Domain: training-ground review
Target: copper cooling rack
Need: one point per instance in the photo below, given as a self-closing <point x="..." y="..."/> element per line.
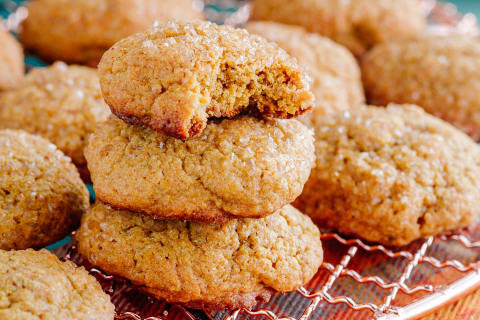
<point x="357" y="280"/>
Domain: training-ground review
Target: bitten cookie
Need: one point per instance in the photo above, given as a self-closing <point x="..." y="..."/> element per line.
<point x="61" y="103"/>
<point x="12" y="66"/>
<point x="41" y="194"/>
<point x="392" y="175"/>
<point x="337" y="84"/>
<point x="174" y="77"/>
<point x="357" y="24"/>
<point x="36" y="285"/>
<point x="243" y="167"/>
<point x="81" y="31"/>
<point x="440" y="74"/>
<point x="204" y="265"/>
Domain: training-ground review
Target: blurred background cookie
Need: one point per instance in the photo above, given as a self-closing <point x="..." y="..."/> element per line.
<point x="203" y="265"/>
<point x="61" y="103"/>
<point x="440" y="74"/>
<point x="357" y="24"/>
<point x="36" y="285"/>
<point x="337" y="83"/>
<point x="12" y="66"/>
<point x="392" y="175"/>
<point x="41" y="194"/>
<point x="242" y="167"/>
<point x="81" y="31"/>
<point x="173" y="77"/>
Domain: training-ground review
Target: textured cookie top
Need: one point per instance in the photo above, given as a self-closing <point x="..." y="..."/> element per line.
<point x="81" y="31"/>
<point x="175" y="76"/>
<point x="11" y="61"/>
<point x="41" y="194"/>
<point x="243" y="167"/>
<point x="392" y="175"/>
<point x="357" y="24"/>
<point x="337" y="84"/>
<point x="61" y="103"/>
<point x="441" y="74"/>
<point x="203" y="262"/>
<point x="35" y="285"/>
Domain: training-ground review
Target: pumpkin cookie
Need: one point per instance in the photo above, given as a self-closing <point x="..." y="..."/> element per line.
<point x="357" y="24"/>
<point x="244" y="167"/>
<point x="81" y="31"/>
<point x="204" y="265"/>
<point x="41" y="194"/>
<point x="174" y="77"/>
<point x="61" y="103"/>
<point x="36" y="285"/>
<point x="392" y="175"/>
<point x="337" y="84"/>
<point x="440" y="74"/>
<point x="12" y="66"/>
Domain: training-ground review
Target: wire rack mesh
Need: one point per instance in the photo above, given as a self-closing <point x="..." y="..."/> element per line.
<point x="357" y="280"/>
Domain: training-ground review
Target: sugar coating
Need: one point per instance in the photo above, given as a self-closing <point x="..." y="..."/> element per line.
<point x="217" y="266"/>
<point x="357" y="24"/>
<point x="337" y="84"/>
<point x="440" y="74"/>
<point x="61" y="103"/>
<point x="35" y="285"/>
<point x="392" y="175"/>
<point x="41" y="194"/>
<point x="12" y="66"/>
<point x="175" y="76"/>
<point x="242" y="167"/>
<point x="81" y="31"/>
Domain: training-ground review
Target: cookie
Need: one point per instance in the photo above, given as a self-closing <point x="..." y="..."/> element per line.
<point x="81" y="31"/>
<point x="392" y="175"/>
<point x="175" y="76"/>
<point x="357" y="24"/>
<point x="337" y="83"/>
<point x="12" y="66"/>
<point x="204" y="265"/>
<point x="41" y="194"/>
<point x="440" y="74"/>
<point x="36" y="285"/>
<point x="61" y="103"/>
<point x="243" y="167"/>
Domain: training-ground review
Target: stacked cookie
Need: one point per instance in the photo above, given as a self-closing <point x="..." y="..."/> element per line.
<point x="195" y="174"/>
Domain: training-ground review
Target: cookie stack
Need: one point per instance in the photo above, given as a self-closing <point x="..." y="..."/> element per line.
<point x="195" y="173"/>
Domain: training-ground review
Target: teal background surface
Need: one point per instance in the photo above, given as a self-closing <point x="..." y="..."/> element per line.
<point x="468" y="6"/>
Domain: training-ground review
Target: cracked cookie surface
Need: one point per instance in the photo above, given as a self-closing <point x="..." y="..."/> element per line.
<point x="12" y="66"/>
<point x="175" y="76"/>
<point x="392" y="175"/>
<point x="357" y="24"/>
<point x="36" y="285"/>
<point x="217" y="266"/>
<point x="440" y="74"/>
<point x="336" y="85"/>
<point x="81" y="31"/>
<point x="242" y="167"/>
<point x="60" y="103"/>
<point x="41" y="194"/>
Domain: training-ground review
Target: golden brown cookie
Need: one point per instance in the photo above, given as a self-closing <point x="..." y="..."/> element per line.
<point x="337" y="83"/>
<point x="244" y="167"/>
<point x="174" y="77"/>
<point x="392" y="175"/>
<point x="81" y="31"/>
<point x="61" y="103"/>
<point x="36" y="285"/>
<point x="440" y="74"/>
<point x="12" y="66"/>
<point x="204" y="265"/>
<point x="357" y="24"/>
<point x="41" y="194"/>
